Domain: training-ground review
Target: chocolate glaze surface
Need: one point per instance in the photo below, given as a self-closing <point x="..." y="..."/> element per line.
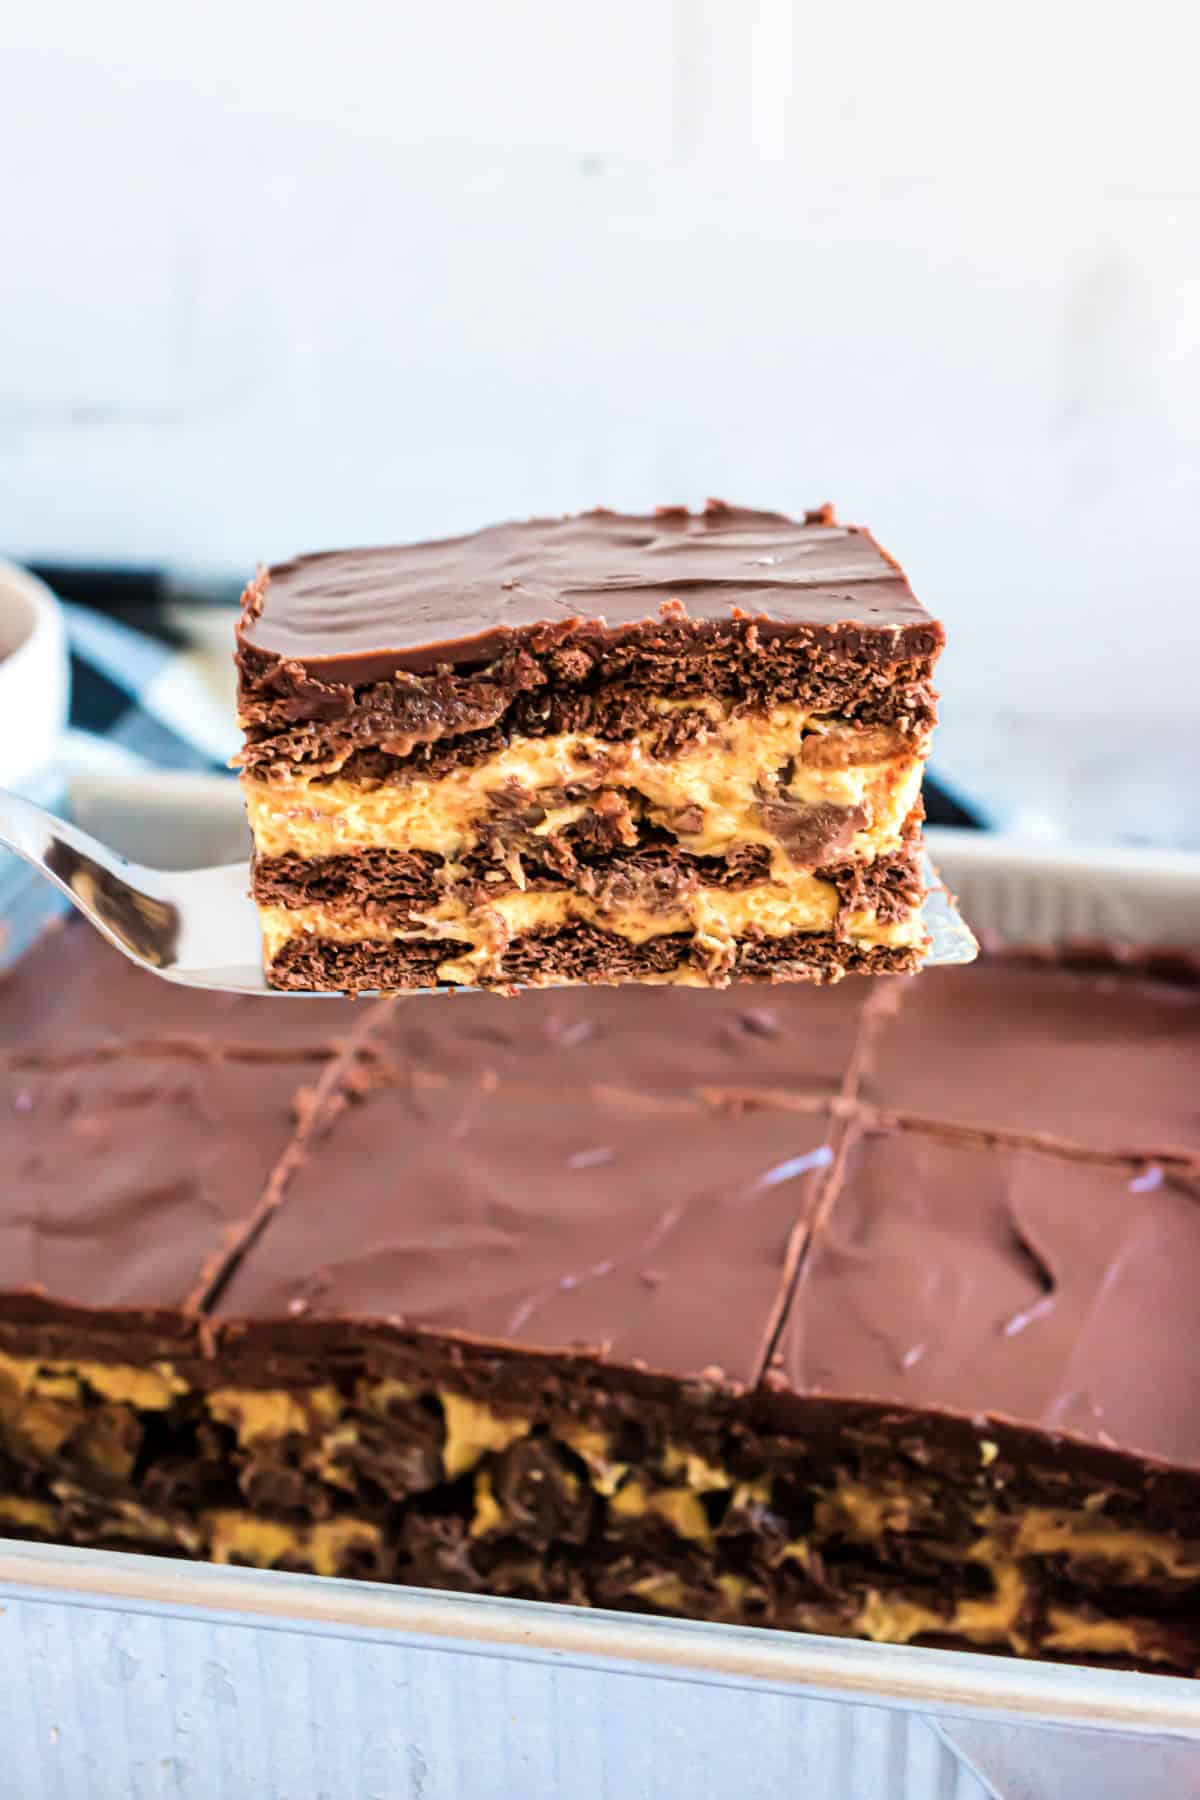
<point x="359" y="615"/>
<point x="579" y="954"/>
<point x="72" y="994"/>
<point x="127" y="1177"/>
<point x="1106" y="1058"/>
<point x="562" y="1217"/>
<point x="666" y="1041"/>
<point x="1004" y="1281"/>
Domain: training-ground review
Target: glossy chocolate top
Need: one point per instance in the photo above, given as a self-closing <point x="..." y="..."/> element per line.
<point x="557" y="1216"/>
<point x="72" y="994"/>
<point x="358" y="615"/>
<point x="1054" y="1292"/>
<point x="126" y="1178"/>
<point x="1106" y="1058"/>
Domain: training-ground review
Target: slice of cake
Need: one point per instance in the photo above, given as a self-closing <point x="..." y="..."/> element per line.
<point x="676" y="748"/>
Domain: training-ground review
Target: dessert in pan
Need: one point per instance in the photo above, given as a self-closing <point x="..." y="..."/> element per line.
<point x="868" y="1310"/>
<point x="677" y="749"/>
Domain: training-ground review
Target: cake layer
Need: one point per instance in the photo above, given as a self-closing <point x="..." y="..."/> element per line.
<point x="581" y="953"/>
<point x="660" y="727"/>
<point x="396" y="886"/>
<point x="395" y="881"/>
<point x="663" y="1303"/>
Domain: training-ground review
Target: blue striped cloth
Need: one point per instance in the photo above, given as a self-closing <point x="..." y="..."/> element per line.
<point x="143" y="694"/>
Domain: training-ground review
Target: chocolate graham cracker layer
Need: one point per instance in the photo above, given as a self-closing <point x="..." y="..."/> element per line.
<point x="677" y="749"/>
<point x="662" y="1301"/>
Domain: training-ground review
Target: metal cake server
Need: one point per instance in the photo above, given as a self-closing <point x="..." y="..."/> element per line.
<point x="199" y="927"/>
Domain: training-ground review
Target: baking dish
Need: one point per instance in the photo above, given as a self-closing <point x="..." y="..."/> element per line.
<point x="146" y="1676"/>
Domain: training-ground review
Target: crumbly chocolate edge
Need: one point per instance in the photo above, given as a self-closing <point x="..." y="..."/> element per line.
<point x="346" y="1448"/>
<point x="578" y="677"/>
<point x="581" y="954"/>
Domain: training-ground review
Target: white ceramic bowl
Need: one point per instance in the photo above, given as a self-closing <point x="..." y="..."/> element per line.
<point x="34" y="676"/>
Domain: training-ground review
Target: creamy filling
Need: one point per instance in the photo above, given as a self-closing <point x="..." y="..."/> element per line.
<point x="327" y="1547"/>
<point x="709" y="793"/>
<point x="994" y="1618"/>
<point x="747" y="781"/>
<point x="715" y="919"/>
<point x="998" y="1620"/>
<point x="43" y="1404"/>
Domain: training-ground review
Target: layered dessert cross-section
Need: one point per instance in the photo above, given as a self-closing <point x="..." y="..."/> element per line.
<point x="678" y="1302"/>
<point x="676" y="749"/>
<point x="128" y="1178"/>
<point x="995" y="1308"/>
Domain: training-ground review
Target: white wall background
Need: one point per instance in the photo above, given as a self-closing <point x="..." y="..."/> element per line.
<point x="283" y="273"/>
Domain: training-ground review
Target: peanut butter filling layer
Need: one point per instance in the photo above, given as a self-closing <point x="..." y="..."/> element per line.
<point x="746" y="781"/>
<point x="714" y="919"/>
<point x="681" y="1527"/>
